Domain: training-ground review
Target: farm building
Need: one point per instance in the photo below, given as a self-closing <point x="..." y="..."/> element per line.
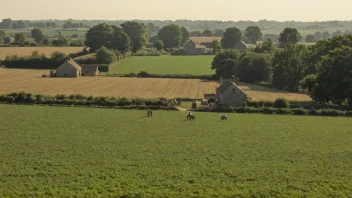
<point x="69" y="69"/>
<point x="228" y="93"/>
<point x="242" y="46"/>
<point x="194" y="48"/>
<point x="90" y="70"/>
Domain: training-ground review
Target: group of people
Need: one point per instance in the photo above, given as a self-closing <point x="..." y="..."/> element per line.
<point x="190" y="116"/>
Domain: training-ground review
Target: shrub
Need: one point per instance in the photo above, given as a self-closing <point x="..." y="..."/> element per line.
<point x="143" y="74"/>
<point x="281" y="103"/>
<point x="268" y="110"/>
<point x="331" y="112"/>
<point x="10" y="99"/>
<point x="240" y="110"/>
<point x="283" y="111"/>
<point x="105" y="56"/>
<point x="348" y="113"/>
<point x="60" y="97"/>
<point x="252" y="110"/>
<point x="159" y="45"/>
<point x="299" y="111"/>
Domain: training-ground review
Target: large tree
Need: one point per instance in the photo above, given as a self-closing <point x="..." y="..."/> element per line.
<point x="289" y="67"/>
<point x="310" y="38"/>
<point x="98" y="36"/>
<point x="2" y="36"/>
<point x="171" y="36"/>
<point x="6" y="23"/>
<point x="253" y="34"/>
<point x="185" y="35"/>
<point x="289" y="36"/>
<point x="333" y="83"/>
<point x="37" y="35"/>
<point x="138" y="34"/>
<point x="207" y="33"/>
<point x="19" y="38"/>
<point x="120" y="40"/>
<point x="219" y="33"/>
<point x="231" y="37"/>
<point x="254" y="67"/>
<point x="225" y="62"/>
<point x="318" y="35"/>
<point x="266" y="47"/>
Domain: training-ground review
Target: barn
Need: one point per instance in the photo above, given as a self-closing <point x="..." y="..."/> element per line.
<point x="194" y="48"/>
<point x="228" y="93"/>
<point x="69" y="69"/>
<point x="90" y="70"/>
<point x="242" y="46"/>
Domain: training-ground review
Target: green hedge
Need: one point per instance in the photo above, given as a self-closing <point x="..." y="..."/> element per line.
<point x="144" y="74"/>
<point x="40" y="62"/>
<point x="81" y="100"/>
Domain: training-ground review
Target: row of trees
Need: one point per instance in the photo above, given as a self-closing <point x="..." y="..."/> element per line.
<point x="322" y="70"/>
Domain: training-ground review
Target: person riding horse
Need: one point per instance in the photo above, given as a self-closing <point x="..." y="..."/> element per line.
<point x="223" y="117"/>
<point x="190" y="116"/>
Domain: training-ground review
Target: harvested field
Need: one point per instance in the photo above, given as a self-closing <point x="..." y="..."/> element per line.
<point x="26" y="51"/>
<point x="12" y="80"/>
<point x="15" y="80"/>
<point x="257" y="92"/>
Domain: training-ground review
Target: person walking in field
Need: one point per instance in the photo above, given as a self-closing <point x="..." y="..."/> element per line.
<point x="149" y="112"/>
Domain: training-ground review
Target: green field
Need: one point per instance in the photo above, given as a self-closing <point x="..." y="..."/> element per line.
<point x="192" y="65"/>
<point x="62" y="151"/>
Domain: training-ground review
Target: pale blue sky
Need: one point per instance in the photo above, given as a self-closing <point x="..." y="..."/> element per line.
<point x="298" y="10"/>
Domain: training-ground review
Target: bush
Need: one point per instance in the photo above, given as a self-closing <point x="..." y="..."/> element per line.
<point x="331" y="112"/>
<point x="268" y="110"/>
<point x="314" y="112"/>
<point x="159" y="45"/>
<point x="299" y="111"/>
<point x="281" y="103"/>
<point x="283" y="111"/>
<point x="143" y="74"/>
<point x="105" y="56"/>
<point x="35" y="62"/>
<point x="148" y="52"/>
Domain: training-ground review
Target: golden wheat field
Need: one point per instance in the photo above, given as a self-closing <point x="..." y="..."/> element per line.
<point x="25" y="51"/>
<point x="15" y="80"/>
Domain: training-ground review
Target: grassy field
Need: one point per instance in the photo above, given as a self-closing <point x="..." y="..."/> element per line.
<point x="57" y="151"/>
<point x="26" y="51"/>
<point x="16" y="80"/>
<point x="192" y="65"/>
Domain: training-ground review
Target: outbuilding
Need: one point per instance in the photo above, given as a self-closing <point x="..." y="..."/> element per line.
<point x="69" y="69"/>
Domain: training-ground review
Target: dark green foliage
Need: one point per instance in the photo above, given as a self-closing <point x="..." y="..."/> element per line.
<point x="207" y="33"/>
<point x="36" y="61"/>
<point x="310" y="38"/>
<point x="266" y="47"/>
<point x="253" y="34"/>
<point x="231" y="37"/>
<point x="254" y="67"/>
<point x="290" y="67"/>
<point x="171" y="36"/>
<point x="299" y="111"/>
<point x="185" y="35"/>
<point x="331" y="112"/>
<point x="78" y="99"/>
<point x="159" y="45"/>
<point x="289" y="36"/>
<point x="37" y="35"/>
<point x="225" y="62"/>
<point x="281" y="103"/>
<point x="62" y="41"/>
<point x="283" y="111"/>
<point x="259" y="104"/>
<point x="105" y="56"/>
<point x="149" y="52"/>
<point x="138" y="34"/>
<point x="77" y="43"/>
<point x="19" y="38"/>
<point x="314" y="112"/>
<point x="268" y="110"/>
<point x="2" y="36"/>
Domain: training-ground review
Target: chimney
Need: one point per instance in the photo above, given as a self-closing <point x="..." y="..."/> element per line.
<point x="235" y="80"/>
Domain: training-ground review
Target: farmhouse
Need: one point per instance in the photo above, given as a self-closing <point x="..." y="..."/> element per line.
<point x="194" y="48"/>
<point x="69" y="69"/>
<point x="200" y="45"/>
<point x="90" y="70"/>
<point x="228" y="93"/>
<point x="242" y="46"/>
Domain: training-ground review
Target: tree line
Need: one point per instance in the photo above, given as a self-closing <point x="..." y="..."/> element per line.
<point x="322" y="70"/>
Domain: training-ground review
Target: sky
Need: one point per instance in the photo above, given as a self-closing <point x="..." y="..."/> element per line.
<point x="224" y="10"/>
